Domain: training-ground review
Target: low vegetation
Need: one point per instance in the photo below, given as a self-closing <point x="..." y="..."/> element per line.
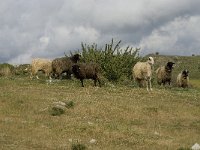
<point x="118" y="115"/>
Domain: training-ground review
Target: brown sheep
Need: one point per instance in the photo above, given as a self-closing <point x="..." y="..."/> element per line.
<point x="41" y="64"/>
<point x="86" y="71"/>
<point x="64" y="65"/>
<point x="164" y="73"/>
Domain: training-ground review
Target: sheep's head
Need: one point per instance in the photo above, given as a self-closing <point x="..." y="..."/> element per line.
<point x="76" y="58"/>
<point x="170" y="66"/>
<point x="150" y="60"/>
<point x="185" y="73"/>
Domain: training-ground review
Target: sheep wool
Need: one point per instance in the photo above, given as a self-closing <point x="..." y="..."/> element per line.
<point x="142" y="72"/>
<point x="86" y="71"/>
<point x="164" y="74"/>
<point x="183" y="79"/>
<point x="64" y="64"/>
<point x="41" y="64"/>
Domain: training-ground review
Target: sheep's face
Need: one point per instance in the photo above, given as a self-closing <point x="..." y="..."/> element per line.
<point x="151" y="60"/>
<point x="185" y="74"/>
<point x="76" y="57"/>
<point x="170" y="66"/>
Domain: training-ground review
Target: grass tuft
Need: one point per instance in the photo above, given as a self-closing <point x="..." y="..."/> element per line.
<point x="78" y="146"/>
<point x="69" y="104"/>
<point x="57" y="111"/>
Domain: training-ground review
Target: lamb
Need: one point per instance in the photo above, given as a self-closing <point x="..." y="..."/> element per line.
<point x="41" y="64"/>
<point x="86" y="71"/>
<point x="142" y="71"/>
<point x="64" y="65"/>
<point x="164" y="73"/>
<point x="183" y="79"/>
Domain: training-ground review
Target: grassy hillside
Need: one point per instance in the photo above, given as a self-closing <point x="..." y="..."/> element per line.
<point x="115" y="117"/>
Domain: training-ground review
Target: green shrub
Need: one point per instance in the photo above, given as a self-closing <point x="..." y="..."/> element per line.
<point x="116" y="63"/>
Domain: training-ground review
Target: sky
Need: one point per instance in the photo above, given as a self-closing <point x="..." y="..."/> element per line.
<point x="48" y="28"/>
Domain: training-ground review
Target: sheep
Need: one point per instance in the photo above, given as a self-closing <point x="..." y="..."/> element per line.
<point x="164" y="73"/>
<point x="183" y="79"/>
<point x="41" y="64"/>
<point x="86" y="71"/>
<point x="142" y="71"/>
<point x="64" y="65"/>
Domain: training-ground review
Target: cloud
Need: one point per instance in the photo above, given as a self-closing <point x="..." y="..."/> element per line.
<point x="48" y="28"/>
<point x="180" y="36"/>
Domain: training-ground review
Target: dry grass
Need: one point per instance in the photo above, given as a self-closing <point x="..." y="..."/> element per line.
<point x="117" y="117"/>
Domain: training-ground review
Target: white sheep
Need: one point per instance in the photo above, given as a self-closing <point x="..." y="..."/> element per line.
<point x="41" y="64"/>
<point x="183" y="79"/>
<point x="142" y="72"/>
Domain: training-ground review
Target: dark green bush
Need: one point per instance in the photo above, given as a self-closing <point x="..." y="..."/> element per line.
<point x="116" y="63"/>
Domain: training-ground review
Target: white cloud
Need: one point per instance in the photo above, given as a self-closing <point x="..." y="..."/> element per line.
<point x="180" y="36"/>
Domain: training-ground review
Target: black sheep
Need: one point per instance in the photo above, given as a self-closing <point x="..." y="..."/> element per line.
<point x="86" y="71"/>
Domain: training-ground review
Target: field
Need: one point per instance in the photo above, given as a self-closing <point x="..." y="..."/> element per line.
<point x="114" y="116"/>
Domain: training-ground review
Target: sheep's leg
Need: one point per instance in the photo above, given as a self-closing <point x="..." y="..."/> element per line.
<point x="31" y="76"/>
<point x="68" y="75"/>
<point x="37" y="77"/>
<point x="33" y="73"/>
<point x="99" y="82"/>
<point x="169" y="82"/>
<point x="148" y="84"/>
<point x="82" y="82"/>
<point x="49" y="75"/>
<point x="95" y="82"/>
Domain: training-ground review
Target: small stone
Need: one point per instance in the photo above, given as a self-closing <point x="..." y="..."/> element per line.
<point x="90" y="123"/>
<point x="196" y="146"/>
<point x="156" y="133"/>
<point x="92" y="141"/>
<point x="59" y="103"/>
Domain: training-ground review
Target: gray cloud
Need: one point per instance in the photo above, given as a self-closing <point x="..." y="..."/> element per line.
<point x="48" y="28"/>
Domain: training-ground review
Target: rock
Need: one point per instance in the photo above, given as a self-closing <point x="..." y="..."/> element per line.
<point x="59" y="103"/>
<point x="92" y="141"/>
<point x="196" y="146"/>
